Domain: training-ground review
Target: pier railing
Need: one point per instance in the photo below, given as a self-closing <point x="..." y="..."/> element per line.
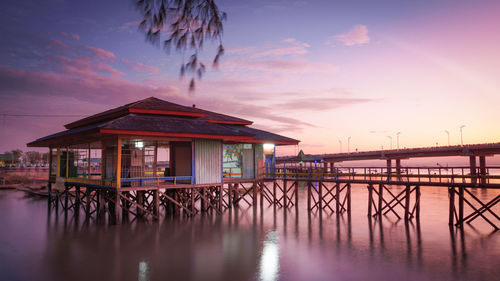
<point x="428" y="175"/>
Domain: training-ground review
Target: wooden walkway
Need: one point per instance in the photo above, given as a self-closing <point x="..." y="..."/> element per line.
<point x="326" y="192"/>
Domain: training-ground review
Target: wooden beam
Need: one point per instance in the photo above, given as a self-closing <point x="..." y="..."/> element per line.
<point x="88" y="163"/>
<point x="67" y="161"/>
<point x="118" y="162"/>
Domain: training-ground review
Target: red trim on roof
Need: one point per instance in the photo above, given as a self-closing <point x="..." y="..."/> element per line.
<point x="229" y="122"/>
<point x="165" y="134"/>
<point x="273" y="142"/>
<point x="166" y="112"/>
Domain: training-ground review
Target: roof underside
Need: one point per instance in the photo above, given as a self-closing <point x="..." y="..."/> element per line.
<point x="158" y="118"/>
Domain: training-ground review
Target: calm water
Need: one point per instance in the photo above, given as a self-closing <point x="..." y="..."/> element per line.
<point x="246" y="244"/>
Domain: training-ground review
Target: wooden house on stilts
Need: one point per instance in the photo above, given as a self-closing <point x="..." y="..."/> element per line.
<point x="157" y="157"/>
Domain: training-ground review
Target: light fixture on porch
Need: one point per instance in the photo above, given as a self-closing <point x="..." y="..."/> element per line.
<point x="268" y="145"/>
<point x="139" y="144"/>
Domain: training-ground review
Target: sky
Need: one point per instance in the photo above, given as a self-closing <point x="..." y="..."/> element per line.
<point x="337" y="75"/>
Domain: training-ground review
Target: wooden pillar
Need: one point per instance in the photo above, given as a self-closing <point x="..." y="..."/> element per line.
<point x="58" y="163"/>
<point x="285" y="194"/>
<point x="88" y="202"/>
<point x="118" y="163"/>
<point x="274" y="192"/>
<point x="417" y="202"/>
<point x="229" y="195"/>
<point x="309" y="196"/>
<point x="49" y="184"/>
<point x="193" y="201"/>
<point x="451" y="195"/>
<point x="380" y="198"/>
<point x="370" y="199"/>
<point x="332" y="168"/>
<point x="67" y="162"/>
<point x="320" y="196"/>
<point x="482" y="169"/>
<point x="407" y="203"/>
<point x="88" y="163"/>
<point x="337" y="197"/>
<point x="236" y="194"/>
<point x="118" y="179"/>
<point x="254" y="193"/>
<point x="155" y="163"/>
<point x="389" y="168"/>
<point x="156" y="202"/>
<point x="398" y="168"/>
<point x="296" y="196"/>
<point x="473" y="174"/>
<point x="261" y="189"/>
<point x="349" y="198"/>
<point x="460" y="206"/>
<point x="221" y="194"/>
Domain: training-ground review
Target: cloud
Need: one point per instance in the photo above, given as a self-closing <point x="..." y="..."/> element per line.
<point x="321" y="103"/>
<point x="140" y="67"/>
<point x="293" y="47"/>
<point x="357" y="35"/>
<point x="72" y="35"/>
<point x="280" y="65"/>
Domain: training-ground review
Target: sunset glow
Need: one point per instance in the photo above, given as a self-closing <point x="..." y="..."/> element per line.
<point x="317" y="71"/>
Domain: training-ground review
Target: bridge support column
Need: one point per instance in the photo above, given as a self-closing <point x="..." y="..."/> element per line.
<point x="473" y="173"/>
<point x="332" y="168"/>
<point x="482" y="169"/>
<point x="398" y="168"/>
<point x="389" y="167"/>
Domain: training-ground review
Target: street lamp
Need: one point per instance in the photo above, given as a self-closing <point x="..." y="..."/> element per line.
<point x="448" y="133"/>
<point x="461" y="135"/>
<point x="349" y="145"/>
<point x="340" y="145"/>
<point x="397" y="135"/>
<point x="391" y="140"/>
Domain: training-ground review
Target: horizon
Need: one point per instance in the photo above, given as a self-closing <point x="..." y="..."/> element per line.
<point x="357" y="70"/>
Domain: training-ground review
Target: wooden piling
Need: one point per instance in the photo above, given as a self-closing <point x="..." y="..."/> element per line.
<point x="309" y="189"/>
<point x="370" y="200"/>
<point x="451" y="194"/>
<point x="407" y="203"/>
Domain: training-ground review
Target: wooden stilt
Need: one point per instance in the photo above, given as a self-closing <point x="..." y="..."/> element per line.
<point x="337" y="197"/>
<point x="460" y="206"/>
<point x="407" y="203"/>
<point x="370" y="200"/>
<point x="451" y="194"/>
<point x="274" y="192"/>
<point x="320" y="196"/>
<point x="285" y="203"/>
<point x="417" y="202"/>
<point x="309" y="196"/>
<point x="380" y="198"/>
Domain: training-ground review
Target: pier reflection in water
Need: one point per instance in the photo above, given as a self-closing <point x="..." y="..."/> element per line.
<point x="262" y="243"/>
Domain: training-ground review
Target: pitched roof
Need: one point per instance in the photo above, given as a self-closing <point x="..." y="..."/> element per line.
<point x="155" y="117"/>
<point x="157" y="106"/>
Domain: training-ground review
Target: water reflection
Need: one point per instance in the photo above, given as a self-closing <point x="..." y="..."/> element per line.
<point x="269" y="260"/>
<point x="264" y="243"/>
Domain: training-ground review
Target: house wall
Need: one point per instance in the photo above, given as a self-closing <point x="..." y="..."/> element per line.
<point x="208" y="161"/>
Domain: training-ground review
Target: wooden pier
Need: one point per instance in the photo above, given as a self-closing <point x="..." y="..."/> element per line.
<point x="328" y="193"/>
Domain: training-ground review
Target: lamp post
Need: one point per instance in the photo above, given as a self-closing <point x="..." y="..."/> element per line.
<point x="448" y="133"/>
<point x="461" y="135"/>
<point x="397" y="136"/>
<point x="349" y="145"/>
<point x="391" y="141"/>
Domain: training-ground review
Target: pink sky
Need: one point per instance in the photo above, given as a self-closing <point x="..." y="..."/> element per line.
<point x="340" y="71"/>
